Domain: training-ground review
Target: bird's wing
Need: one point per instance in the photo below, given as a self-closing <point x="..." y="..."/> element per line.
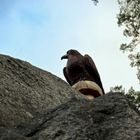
<point x="92" y="70"/>
<point x="66" y="75"/>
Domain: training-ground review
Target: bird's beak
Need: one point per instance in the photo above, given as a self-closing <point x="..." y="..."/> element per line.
<point x="64" y="56"/>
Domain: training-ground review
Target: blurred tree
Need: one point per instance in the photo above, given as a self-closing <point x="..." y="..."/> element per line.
<point x="129" y="18"/>
<point x="118" y="89"/>
<point x="95" y="1"/>
<point x="132" y="95"/>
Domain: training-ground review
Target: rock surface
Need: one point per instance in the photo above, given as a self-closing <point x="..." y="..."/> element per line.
<point x="36" y="105"/>
<point x="109" y="117"/>
<point x="27" y="92"/>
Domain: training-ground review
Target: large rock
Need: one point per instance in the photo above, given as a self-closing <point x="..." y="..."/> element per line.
<point x="27" y="92"/>
<point x="109" y="117"/>
<point x="36" y="105"/>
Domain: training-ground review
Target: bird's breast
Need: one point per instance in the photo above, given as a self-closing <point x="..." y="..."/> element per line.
<point x="75" y="67"/>
<point x="76" y="72"/>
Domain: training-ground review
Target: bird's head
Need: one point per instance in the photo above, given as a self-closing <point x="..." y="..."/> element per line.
<point x="70" y="53"/>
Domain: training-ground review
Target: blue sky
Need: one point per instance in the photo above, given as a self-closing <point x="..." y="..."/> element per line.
<point x="40" y="32"/>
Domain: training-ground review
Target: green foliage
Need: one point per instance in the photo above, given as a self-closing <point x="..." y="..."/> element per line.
<point x="118" y="89"/>
<point x="129" y="17"/>
<point x="132" y="95"/>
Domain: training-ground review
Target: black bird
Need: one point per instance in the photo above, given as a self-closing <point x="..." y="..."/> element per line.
<point x="79" y="68"/>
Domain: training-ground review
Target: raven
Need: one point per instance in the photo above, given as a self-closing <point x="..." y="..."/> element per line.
<point x="80" y="68"/>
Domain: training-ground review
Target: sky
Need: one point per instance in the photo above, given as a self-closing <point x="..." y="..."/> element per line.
<point x="41" y="31"/>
